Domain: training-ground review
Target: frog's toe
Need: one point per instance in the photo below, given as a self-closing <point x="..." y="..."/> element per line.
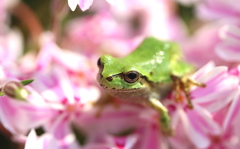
<point x="168" y="132"/>
<point x="183" y="84"/>
<point x="166" y="126"/>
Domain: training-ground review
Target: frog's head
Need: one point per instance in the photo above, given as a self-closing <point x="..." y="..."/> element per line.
<point x="116" y="75"/>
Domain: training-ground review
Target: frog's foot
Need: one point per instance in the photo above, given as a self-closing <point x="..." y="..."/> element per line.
<point x="184" y="84"/>
<point x="103" y="102"/>
<point x="164" y="117"/>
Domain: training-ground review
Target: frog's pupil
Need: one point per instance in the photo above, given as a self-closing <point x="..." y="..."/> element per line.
<point x="132" y="76"/>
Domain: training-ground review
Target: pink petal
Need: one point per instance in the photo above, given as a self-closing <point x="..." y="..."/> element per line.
<point x="180" y="140"/>
<point x="197" y="138"/>
<point x="46" y="141"/>
<point x="31" y="140"/>
<point x="233" y="113"/>
<point x="71" y="60"/>
<point x="230" y="53"/>
<point x="62" y="132"/>
<point x="230" y="33"/>
<point x="203" y="70"/>
<point x="151" y="138"/>
<point x="219" y="91"/>
<point x="216" y="9"/>
<point x="85" y="4"/>
<point x="198" y="124"/>
<point x="19" y="117"/>
<point x="64" y="84"/>
<point x="45" y="57"/>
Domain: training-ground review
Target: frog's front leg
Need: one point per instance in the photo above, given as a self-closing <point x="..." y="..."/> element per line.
<point x="184" y="84"/>
<point x="164" y="116"/>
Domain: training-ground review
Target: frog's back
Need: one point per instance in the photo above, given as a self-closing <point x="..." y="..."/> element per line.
<point x="157" y="60"/>
<point x="153" y="49"/>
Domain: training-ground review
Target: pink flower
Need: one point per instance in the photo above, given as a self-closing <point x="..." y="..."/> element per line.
<point x="79" y="68"/>
<point x="19" y="116"/>
<point x="67" y="100"/>
<point x="229" y="119"/>
<point x="54" y="106"/>
<point x="197" y="123"/>
<point x="56" y="94"/>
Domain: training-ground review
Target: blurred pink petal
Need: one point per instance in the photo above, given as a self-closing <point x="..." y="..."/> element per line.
<point x="229" y="49"/>
<point x="45" y="141"/>
<point x="109" y="37"/>
<point x="199" y="49"/>
<point x="212" y="42"/>
<point x="11" y="47"/>
<point x="19" y="117"/>
<point x="160" y="21"/>
<point x="85" y="4"/>
<point x="215" y="9"/>
<point x="105" y="129"/>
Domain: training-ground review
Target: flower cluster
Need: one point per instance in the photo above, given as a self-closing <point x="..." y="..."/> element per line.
<point x="63" y="107"/>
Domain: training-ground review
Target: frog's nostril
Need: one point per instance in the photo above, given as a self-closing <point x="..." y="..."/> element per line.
<point x="109" y="78"/>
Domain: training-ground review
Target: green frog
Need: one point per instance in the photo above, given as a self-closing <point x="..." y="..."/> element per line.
<point x="147" y="75"/>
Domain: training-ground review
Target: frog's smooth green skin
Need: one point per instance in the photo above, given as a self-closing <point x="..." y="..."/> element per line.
<point x="144" y="74"/>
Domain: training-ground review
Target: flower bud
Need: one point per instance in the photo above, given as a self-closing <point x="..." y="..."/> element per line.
<point x="15" y="90"/>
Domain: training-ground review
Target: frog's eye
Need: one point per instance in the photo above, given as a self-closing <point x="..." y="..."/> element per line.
<point x="131" y="76"/>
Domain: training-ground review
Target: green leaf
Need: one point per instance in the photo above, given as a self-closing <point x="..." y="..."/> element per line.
<point x="80" y="135"/>
<point x="26" y="82"/>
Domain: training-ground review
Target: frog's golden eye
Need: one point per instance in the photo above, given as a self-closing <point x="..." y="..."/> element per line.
<point x="131" y="76"/>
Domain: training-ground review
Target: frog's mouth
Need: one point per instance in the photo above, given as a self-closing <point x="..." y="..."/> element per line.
<point x="119" y="90"/>
<point x="130" y="94"/>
